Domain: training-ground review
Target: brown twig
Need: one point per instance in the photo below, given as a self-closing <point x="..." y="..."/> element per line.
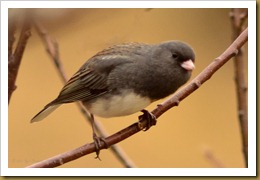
<point x="11" y="38"/>
<point x="173" y="101"/>
<point x="209" y="155"/>
<point x="14" y="59"/>
<point x="53" y="50"/>
<point x="238" y="16"/>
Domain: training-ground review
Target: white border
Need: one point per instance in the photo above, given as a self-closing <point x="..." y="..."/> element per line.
<point x="251" y="171"/>
<point x="126" y="4"/>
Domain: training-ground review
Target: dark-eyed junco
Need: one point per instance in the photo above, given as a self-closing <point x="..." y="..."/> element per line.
<point x="124" y="79"/>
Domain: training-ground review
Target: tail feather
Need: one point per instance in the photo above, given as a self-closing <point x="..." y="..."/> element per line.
<point x="44" y="113"/>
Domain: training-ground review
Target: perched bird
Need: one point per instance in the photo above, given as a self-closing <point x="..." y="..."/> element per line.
<point x="126" y="78"/>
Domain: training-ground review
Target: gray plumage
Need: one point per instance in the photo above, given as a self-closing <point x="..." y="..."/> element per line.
<point x="148" y="72"/>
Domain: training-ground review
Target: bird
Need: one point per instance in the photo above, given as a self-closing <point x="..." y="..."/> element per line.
<point x="125" y="78"/>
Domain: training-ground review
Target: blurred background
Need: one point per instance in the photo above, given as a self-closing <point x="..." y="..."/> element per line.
<point x="205" y="122"/>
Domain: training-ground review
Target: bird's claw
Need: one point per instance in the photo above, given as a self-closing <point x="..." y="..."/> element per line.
<point x="149" y="118"/>
<point x="97" y="142"/>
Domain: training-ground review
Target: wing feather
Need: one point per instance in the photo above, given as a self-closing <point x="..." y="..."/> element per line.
<point x="84" y="85"/>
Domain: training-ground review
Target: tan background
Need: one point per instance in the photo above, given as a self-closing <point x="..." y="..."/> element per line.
<point x="207" y="119"/>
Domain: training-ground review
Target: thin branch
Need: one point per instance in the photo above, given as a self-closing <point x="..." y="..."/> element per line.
<point x="53" y="50"/>
<point x="173" y="101"/>
<point x="11" y="38"/>
<point x="209" y="155"/>
<point x="14" y="59"/>
<point x="238" y="16"/>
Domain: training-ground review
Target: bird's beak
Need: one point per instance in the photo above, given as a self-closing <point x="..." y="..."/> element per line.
<point x="188" y="65"/>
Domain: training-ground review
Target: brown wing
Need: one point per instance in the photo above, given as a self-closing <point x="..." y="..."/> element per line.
<point x="85" y="85"/>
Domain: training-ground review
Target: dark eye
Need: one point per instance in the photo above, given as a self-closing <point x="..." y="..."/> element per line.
<point x="175" y="56"/>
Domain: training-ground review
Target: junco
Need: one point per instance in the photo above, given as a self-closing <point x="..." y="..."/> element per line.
<point x="126" y="78"/>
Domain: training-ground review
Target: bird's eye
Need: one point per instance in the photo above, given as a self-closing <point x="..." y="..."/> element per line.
<point x="174" y="55"/>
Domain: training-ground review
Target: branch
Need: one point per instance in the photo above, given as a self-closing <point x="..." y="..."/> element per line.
<point x="238" y="16"/>
<point x="209" y="155"/>
<point x="53" y="50"/>
<point x="14" y="59"/>
<point x="11" y="38"/>
<point x="173" y="101"/>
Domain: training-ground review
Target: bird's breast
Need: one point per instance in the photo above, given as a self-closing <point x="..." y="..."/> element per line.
<point x="120" y="104"/>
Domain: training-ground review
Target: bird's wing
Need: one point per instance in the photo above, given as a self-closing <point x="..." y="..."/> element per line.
<point x="86" y="84"/>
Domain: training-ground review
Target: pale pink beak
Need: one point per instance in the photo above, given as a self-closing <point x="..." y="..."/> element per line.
<point x="188" y="65"/>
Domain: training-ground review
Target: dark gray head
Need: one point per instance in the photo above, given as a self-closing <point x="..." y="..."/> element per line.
<point x="174" y="54"/>
<point x="175" y="51"/>
<point x="173" y="62"/>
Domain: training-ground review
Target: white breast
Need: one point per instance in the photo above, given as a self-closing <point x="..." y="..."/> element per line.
<point x="118" y="105"/>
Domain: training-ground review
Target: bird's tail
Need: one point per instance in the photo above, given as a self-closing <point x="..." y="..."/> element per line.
<point x="44" y="113"/>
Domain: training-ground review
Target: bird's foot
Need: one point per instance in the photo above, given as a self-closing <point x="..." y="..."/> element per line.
<point x="148" y="118"/>
<point x="97" y="141"/>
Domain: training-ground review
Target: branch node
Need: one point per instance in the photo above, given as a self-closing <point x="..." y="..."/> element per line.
<point x="241" y="113"/>
<point x="197" y="84"/>
<point x="159" y="105"/>
<point x="231" y="15"/>
<point x="177" y="102"/>
<point x="236" y="52"/>
<point x="216" y="60"/>
<point x="244" y="88"/>
<point x="28" y="33"/>
<point x="61" y="161"/>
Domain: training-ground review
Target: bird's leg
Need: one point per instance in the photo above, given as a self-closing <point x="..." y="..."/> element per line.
<point x="149" y="118"/>
<point x="97" y="139"/>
